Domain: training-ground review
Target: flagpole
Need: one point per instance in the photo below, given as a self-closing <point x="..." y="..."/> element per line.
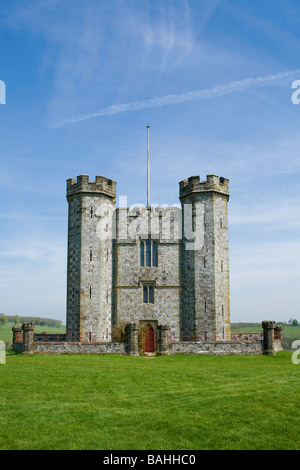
<point x="148" y="167"/>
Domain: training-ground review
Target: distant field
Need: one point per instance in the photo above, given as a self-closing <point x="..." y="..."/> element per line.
<point x="290" y="333"/>
<point x="135" y="403"/>
<point x="6" y="331"/>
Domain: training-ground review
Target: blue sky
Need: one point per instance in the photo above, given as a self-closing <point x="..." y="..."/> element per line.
<point x="213" y="80"/>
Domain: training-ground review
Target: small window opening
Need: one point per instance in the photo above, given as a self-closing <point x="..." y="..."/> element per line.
<point x="148" y="253"/>
<point x="142" y="253"/>
<point x="148" y="294"/>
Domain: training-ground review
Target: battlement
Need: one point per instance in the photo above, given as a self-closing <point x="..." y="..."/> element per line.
<point x="101" y="185"/>
<point x="153" y="210"/>
<point x="213" y="183"/>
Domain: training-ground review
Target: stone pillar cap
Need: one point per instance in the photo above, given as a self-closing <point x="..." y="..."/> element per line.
<point x="28" y="326"/>
<point x="16" y="328"/>
<point x="268" y="324"/>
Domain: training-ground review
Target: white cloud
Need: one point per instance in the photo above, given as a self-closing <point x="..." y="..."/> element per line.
<point x="219" y="90"/>
<point x="278" y="214"/>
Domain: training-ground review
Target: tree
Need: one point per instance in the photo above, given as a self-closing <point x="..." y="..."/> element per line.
<point x="16" y="320"/>
<point x="3" y="319"/>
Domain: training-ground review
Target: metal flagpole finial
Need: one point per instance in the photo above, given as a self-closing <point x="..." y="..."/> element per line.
<point x="148" y="169"/>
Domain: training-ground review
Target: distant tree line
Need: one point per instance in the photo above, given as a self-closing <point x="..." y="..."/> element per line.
<point x="291" y="322"/>
<point x="17" y="320"/>
<point x="236" y="326"/>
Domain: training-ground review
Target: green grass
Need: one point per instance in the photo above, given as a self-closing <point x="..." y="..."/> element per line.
<point x="177" y="402"/>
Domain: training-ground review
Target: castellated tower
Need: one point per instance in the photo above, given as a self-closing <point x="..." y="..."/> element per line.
<point x="205" y="260"/>
<point x="89" y="278"/>
<point x="162" y="272"/>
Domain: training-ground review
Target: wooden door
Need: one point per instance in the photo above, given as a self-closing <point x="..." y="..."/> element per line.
<point x="149" y="339"/>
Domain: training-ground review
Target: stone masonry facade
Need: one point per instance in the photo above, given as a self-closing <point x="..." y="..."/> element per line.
<point x="148" y="265"/>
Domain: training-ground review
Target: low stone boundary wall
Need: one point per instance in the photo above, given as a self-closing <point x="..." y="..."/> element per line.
<point x="79" y="348"/>
<point x="270" y="343"/>
<point x="218" y="348"/>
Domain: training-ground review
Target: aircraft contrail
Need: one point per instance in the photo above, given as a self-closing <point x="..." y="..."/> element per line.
<point x="218" y="90"/>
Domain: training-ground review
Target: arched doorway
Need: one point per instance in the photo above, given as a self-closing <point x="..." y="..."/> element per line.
<point x="149" y="339"/>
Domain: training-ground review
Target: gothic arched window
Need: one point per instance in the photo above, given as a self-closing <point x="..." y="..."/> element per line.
<point x="148" y="253"/>
<point x="148" y="294"/>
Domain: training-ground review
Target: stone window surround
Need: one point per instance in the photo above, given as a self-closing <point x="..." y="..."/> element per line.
<point x="143" y="252"/>
<point x="148" y="284"/>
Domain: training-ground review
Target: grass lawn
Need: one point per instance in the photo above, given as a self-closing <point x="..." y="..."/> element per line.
<point x="177" y="402"/>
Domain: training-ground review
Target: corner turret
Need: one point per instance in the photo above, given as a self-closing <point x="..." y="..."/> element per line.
<point x="101" y="185"/>
<point x="213" y="183"/>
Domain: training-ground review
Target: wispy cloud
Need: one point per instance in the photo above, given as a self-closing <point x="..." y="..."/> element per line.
<point x="275" y="215"/>
<point x="197" y="95"/>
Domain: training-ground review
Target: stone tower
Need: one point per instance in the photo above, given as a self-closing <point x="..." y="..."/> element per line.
<point x="90" y="265"/>
<point x="205" y="261"/>
<point x="150" y="268"/>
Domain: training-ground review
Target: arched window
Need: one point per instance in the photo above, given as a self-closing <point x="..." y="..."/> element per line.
<point x="145" y="294"/>
<point x="154" y="254"/>
<point x="151" y="295"/>
<point x="142" y="253"/>
<point x="148" y="253"/>
<point x="148" y="294"/>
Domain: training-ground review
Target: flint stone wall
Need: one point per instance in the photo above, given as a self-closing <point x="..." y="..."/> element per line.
<point x="217" y="348"/>
<point x="80" y="348"/>
<point x="184" y="347"/>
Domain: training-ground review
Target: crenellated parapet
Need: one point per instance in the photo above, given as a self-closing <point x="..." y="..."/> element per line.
<point x="101" y="185"/>
<point x="163" y="223"/>
<point x="213" y="183"/>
